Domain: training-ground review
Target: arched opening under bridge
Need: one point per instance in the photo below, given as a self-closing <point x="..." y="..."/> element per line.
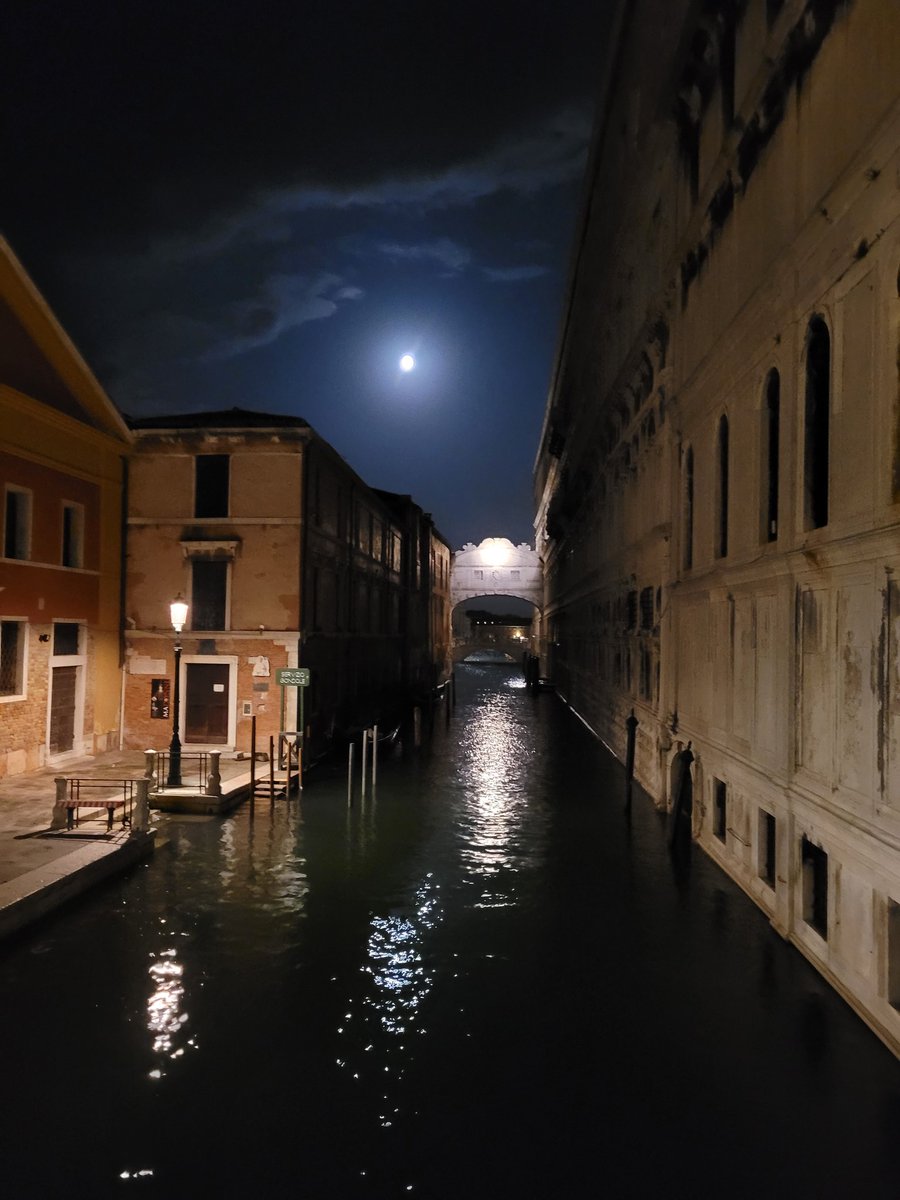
<point x="496" y="592"/>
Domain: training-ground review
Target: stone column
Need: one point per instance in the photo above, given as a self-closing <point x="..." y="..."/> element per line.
<point x="58" y="819"/>
<point x="214" y="779"/>
<point x="140" y="818"/>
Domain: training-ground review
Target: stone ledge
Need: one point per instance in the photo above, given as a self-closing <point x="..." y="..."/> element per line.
<point x="33" y="895"/>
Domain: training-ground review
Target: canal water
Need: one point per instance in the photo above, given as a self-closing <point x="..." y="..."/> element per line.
<point x="482" y="982"/>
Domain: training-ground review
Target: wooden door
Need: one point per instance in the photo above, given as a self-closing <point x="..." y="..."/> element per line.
<point x="62" y="709"/>
<point x="206" y="703"/>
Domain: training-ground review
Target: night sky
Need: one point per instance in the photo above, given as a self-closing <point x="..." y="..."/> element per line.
<point x="265" y="205"/>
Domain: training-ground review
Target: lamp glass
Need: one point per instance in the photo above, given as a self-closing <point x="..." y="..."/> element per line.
<point x="178" y="610"/>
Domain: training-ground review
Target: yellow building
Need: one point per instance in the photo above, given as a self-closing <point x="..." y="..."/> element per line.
<point x="63" y="448"/>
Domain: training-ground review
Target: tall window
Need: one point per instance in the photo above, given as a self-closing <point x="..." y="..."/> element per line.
<point x="722" y="488"/>
<point x="688" y="556"/>
<point x="72" y="535"/>
<point x="211" y="482"/>
<point x="209" y="591"/>
<point x="12" y="658"/>
<point x="16" y="523"/>
<point x="817" y="413"/>
<point x="771" y="437"/>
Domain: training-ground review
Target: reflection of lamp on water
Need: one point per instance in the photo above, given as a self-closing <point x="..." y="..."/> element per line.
<point x="178" y="610"/>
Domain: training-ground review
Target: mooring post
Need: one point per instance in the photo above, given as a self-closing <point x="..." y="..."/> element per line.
<point x="350" y="775"/>
<point x="140" y="818"/>
<point x="214" y="780"/>
<point x="252" y="760"/>
<point x="149" y="764"/>
<point x="365" y="740"/>
<point x="58" y="820"/>
<point x="683" y="761"/>
<point x="631" y="724"/>
<point x="271" y="770"/>
<point x="374" y="757"/>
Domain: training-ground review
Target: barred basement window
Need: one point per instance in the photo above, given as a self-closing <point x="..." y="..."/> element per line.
<point x="893" y="953"/>
<point x="12" y="658"/>
<point x="814" y="865"/>
<point x="766" y="848"/>
<point x="720" y="810"/>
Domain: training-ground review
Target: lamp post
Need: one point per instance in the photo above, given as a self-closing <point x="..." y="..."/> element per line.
<point x="178" y="611"/>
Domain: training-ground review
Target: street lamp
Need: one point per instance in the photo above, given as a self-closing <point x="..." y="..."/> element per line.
<point x="178" y="612"/>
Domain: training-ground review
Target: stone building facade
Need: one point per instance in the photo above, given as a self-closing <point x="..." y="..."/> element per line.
<point x="286" y="559"/>
<point x="718" y="481"/>
<point x="63" y="447"/>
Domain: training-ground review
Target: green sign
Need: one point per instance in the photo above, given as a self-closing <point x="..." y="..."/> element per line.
<point x="292" y="676"/>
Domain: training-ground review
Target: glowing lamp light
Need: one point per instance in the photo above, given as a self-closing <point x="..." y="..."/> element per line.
<point x="178" y="611"/>
<point x="495" y="551"/>
<point x="407" y="362"/>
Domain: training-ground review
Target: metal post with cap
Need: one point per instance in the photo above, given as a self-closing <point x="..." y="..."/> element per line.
<point x="178" y="611"/>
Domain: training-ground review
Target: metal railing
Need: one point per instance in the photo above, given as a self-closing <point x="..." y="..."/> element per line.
<point x="194" y="770"/>
<point x="92" y="792"/>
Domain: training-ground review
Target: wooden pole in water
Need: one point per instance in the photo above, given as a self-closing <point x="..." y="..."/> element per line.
<point x="350" y="775"/>
<point x="365" y="740"/>
<point x="271" y="769"/>
<point x="252" y="759"/>
<point x="374" y="757"/>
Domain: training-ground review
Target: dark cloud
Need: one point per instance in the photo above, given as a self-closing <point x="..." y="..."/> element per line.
<point x="514" y="274"/>
<point x="221" y="200"/>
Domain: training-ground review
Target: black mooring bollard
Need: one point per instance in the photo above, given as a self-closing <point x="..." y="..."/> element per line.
<point x="631" y="724"/>
<point x="681" y="783"/>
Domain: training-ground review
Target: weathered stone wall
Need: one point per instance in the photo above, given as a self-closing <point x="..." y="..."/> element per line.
<point x="744" y="199"/>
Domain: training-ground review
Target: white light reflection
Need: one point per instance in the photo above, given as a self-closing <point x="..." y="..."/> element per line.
<point x="395" y="961"/>
<point x="496" y="757"/>
<point x="164" y="1008"/>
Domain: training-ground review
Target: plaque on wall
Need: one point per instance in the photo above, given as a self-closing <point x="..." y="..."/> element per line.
<point x="159" y="699"/>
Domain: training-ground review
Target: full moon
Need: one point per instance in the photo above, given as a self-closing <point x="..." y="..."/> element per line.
<point x="407" y="362"/>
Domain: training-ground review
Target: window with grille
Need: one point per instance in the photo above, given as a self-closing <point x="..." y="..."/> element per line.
<point x="12" y="658"/>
